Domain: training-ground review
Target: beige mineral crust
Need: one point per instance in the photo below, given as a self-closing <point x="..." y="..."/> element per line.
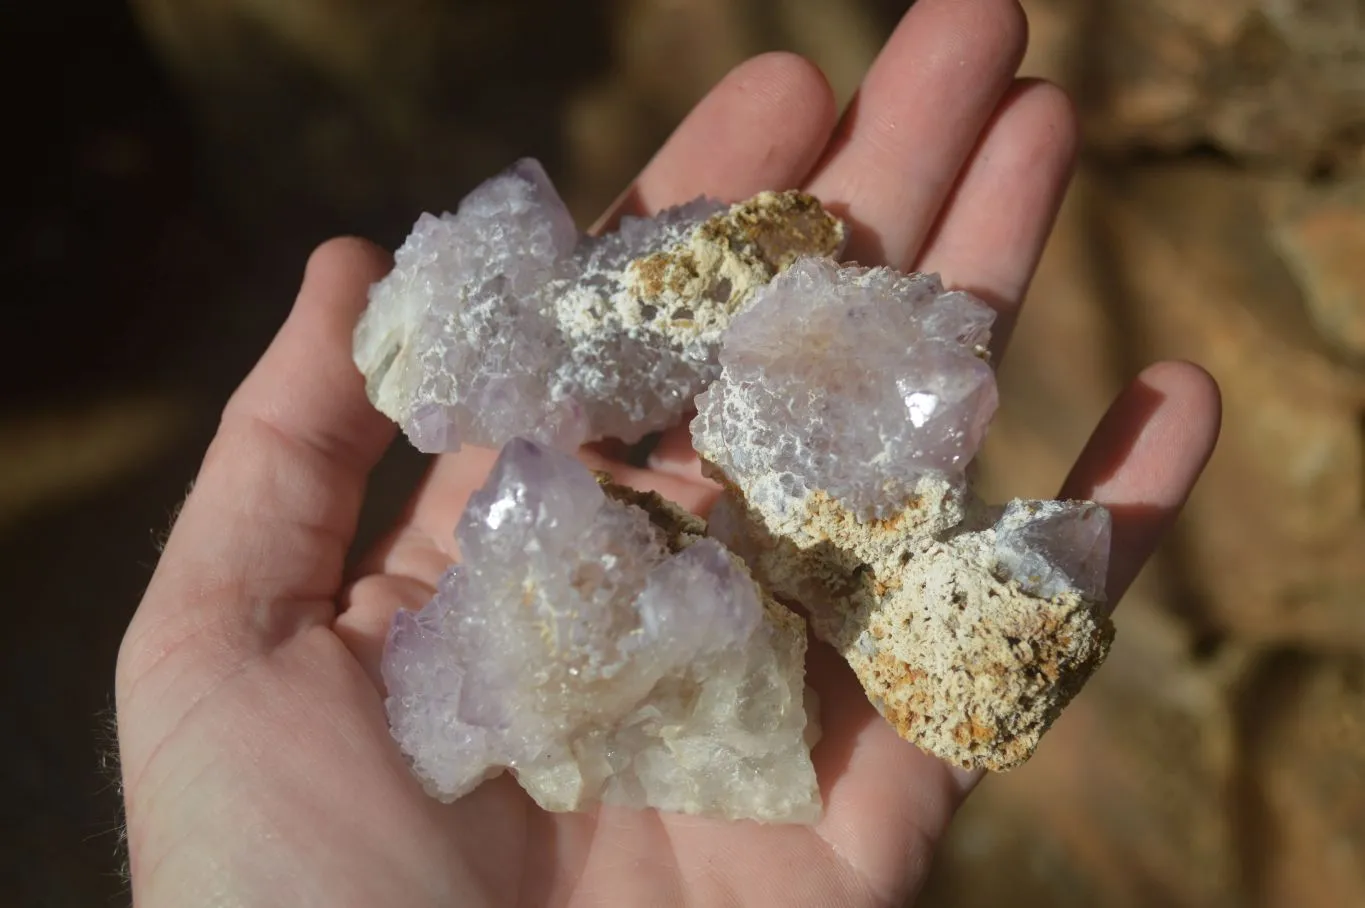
<point x="964" y="664"/>
<point x="689" y="291"/>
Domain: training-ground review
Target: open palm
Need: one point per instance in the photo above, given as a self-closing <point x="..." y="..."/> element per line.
<point x="257" y="765"/>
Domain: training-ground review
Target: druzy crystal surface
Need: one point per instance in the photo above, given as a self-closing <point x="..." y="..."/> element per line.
<point x="502" y="320"/>
<point x="602" y="654"/>
<point x="856" y="382"/>
<point x="850" y="404"/>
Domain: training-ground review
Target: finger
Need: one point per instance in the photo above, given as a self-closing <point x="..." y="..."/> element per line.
<point x="762" y="127"/>
<point x="675" y="456"/>
<point x="1143" y="460"/>
<point x="993" y="228"/>
<point x="915" y="120"/>
<point x="1141" y="463"/>
<point x="259" y="546"/>
<point x="887" y="803"/>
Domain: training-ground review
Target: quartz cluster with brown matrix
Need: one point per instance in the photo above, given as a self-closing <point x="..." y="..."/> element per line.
<point x="606" y="648"/>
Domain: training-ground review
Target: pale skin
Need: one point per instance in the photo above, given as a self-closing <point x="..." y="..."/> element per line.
<point x="257" y="765"/>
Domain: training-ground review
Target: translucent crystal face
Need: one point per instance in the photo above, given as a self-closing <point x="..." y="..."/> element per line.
<point x="852" y="381"/>
<point x="1049" y="547"/>
<point x="574" y="648"/>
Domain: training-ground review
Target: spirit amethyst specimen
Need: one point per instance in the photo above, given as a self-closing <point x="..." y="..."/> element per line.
<point x="603" y="654"/>
<point x="850" y="404"/>
<point x="502" y="320"/>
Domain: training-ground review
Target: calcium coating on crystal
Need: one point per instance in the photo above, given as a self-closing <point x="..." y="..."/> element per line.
<point x="604" y="653"/>
<point x="850" y="404"/>
<point x="502" y="320"/>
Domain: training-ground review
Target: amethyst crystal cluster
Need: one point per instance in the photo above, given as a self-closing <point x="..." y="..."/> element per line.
<point x="601" y="657"/>
<point x="604" y="646"/>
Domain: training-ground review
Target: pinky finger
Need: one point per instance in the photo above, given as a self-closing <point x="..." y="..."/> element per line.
<point x="1144" y="458"/>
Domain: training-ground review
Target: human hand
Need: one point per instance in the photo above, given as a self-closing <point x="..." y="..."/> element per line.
<point x="257" y="763"/>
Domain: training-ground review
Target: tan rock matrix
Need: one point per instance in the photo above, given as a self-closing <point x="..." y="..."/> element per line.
<point x="966" y="664"/>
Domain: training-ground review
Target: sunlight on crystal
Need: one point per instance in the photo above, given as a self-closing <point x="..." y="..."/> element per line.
<point x="500" y="510"/>
<point x="921" y="406"/>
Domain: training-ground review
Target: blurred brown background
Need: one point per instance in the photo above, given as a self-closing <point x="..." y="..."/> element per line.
<point x="171" y="163"/>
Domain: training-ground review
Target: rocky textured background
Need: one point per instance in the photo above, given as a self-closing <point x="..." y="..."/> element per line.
<point x="180" y="162"/>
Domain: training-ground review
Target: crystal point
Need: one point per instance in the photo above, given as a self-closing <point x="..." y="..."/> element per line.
<point x="853" y="381"/>
<point x="1048" y="547"/>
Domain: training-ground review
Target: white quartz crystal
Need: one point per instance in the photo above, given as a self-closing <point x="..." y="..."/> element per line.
<point x="502" y="320"/>
<point x="604" y="654"/>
